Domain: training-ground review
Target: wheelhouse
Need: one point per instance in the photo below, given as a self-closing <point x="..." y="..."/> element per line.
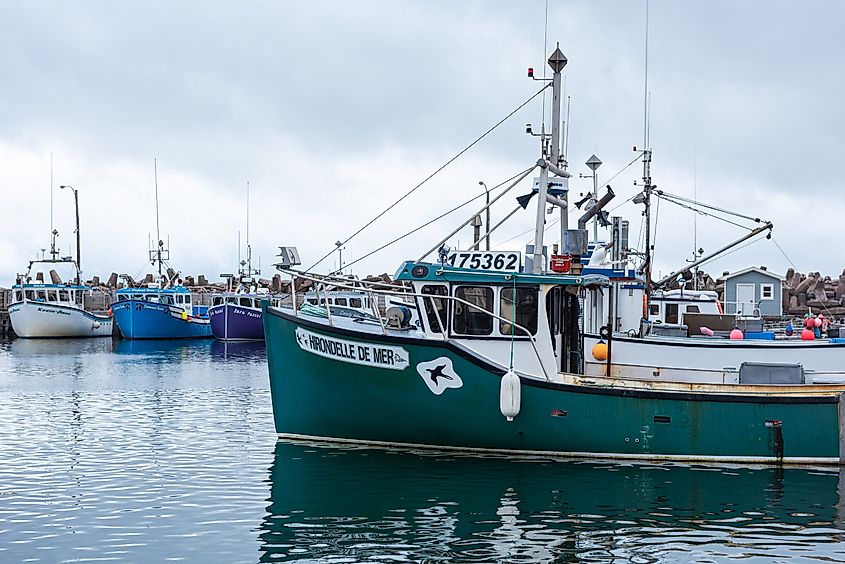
<point x="485" y="310"/>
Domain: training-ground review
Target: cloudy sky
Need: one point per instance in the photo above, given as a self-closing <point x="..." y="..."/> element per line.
<point x="333" y="109"/>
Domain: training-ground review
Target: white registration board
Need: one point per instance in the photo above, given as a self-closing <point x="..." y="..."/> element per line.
<point x="353" y="352"/>
<point x="508" y="261"/>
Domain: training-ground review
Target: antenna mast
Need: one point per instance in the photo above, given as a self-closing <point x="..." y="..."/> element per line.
<point x="158" y="233"/>
<point x="647" y="185"/>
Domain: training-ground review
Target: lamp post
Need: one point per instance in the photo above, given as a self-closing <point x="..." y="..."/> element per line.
<point x="339" y="246"/>
<point x="76" y="205"/>
<point x="487" y="194"/>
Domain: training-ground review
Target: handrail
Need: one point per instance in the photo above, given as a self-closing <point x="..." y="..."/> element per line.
<point x="531" y="338"/>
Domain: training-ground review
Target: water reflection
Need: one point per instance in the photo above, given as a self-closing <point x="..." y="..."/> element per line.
<point x="358" y="503"/>
<point x="164" y="348"/>
<point x="246" y="350"/>
<point x="57" y="347"/>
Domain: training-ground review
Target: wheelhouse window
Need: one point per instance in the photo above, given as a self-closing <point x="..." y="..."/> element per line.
<point x="312" y="301"/>
<point x="671" y="313"/>
<point x="30" y="295"/>
<point x="246" y="302"/>
<point x="654" y="309"/>
<point x="18" y="296"/>
<point x="437" y="311"/>
<point x="64" y="296"/>
<point x="473" y="320"/>
<point x="41" y="295"/>
<point x="692" y="309"/>
<point x="526" y="310"/>
<point x="767" y="291"/>
<point x="341" y="301"/>
<point x="216" y="300"/>
<point x="355" y="302"/>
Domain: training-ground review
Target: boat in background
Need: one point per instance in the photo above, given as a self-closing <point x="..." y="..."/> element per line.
<point x="54" y="309"/>
<point x="163" y="308"/>
<point x="60" y="307"/>
<point x="235" y="314"/>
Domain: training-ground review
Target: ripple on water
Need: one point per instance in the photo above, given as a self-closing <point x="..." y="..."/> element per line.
<point x="157" y="451"/>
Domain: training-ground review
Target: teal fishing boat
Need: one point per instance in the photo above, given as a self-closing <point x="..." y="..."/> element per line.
<point x="496" y="364"/>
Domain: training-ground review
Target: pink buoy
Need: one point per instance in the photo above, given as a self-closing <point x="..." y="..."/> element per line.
<point x="736" y="335"/>
<point x="817" y="322"/>
<point x="807" y="335"/>
<point x="707" y="331"/>
<point x="808" y="322"/>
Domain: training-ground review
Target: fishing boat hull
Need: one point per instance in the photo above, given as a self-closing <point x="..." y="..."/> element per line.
<point x="348" y="386"/>
<point x="713" y="360"/>
<point x="40" y="320"/>
<point x="230" y="322"/>
<point x="138" y="319"/>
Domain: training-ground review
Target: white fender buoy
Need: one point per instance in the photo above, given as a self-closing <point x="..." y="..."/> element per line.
<point x="96" y="325"/>
<point x="510" y="397"/>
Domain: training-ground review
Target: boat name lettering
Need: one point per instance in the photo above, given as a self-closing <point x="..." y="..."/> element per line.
<point x="56" y="311"/>
<point x="355" y="352"/>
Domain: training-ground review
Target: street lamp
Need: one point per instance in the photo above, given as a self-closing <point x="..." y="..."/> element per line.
<point x="76" y="205"/>
<point x="487" y="194"/>
<point x="339" y="246"/>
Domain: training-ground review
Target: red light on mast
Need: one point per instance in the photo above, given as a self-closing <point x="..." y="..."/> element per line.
<point x="531" y="72"/>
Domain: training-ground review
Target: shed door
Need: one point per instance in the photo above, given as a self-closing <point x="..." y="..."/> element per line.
<point x="745" y="302"/>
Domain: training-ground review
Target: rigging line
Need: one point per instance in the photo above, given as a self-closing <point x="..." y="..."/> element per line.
<point x="733" y="251"/>
<point x="656" y="218"/>
<point x="701" y="212"/>
<point x="426" y="224"/>
<point x="430" y="176"/>
<point x="708" y="206"/>
<point x="789" y="260"/>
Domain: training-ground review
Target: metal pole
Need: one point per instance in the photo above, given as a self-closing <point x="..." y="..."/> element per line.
<point x="78" y="252"/>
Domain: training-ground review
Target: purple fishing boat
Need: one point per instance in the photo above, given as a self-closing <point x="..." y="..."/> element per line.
<point x="237" y="316"/>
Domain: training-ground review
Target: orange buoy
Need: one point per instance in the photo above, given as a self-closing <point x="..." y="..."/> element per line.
<point x="808" y="335"/>
<point x="600" y="351"/>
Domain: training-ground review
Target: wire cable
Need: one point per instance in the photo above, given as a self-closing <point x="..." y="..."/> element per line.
<point x="430" y="176"/>
<point x="439" y="217"/>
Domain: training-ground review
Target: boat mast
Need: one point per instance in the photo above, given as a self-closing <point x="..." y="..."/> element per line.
<point x="158" y="233"/>
<point x="556" y="61"/>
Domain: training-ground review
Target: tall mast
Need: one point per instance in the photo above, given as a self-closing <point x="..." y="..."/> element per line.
<point x="556" y="61"/>
<point x="158" y="233"/>
<point x="248" y="248"/>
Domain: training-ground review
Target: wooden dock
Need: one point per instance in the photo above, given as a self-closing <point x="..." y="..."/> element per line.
<point x="5" y="322"/>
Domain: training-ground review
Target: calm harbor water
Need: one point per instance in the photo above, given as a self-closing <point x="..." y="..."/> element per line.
<point x="138" y="451"/>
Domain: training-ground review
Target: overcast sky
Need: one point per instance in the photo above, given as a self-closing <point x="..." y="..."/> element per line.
<point x="333" y="109"/>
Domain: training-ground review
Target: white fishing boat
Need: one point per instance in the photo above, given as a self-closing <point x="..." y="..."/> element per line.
<point x="46" y="305"/>
<point x="638" y="330"/>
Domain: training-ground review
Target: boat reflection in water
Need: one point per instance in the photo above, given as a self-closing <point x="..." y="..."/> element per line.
<point x="162" y="349"/>
<point x="370" y="504"/>
<point x="238" y="350"/>
<point x="57" y="347"/>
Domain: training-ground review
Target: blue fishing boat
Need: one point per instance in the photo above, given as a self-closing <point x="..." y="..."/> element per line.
<point x="162" y="309"/>
<point x="160" y="313"/>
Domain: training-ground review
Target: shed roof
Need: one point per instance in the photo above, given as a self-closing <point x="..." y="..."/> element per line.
<point x="753" y="269"/>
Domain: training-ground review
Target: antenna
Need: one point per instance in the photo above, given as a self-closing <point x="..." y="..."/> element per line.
<point x="51" y="191"/>
<point x="248" y="248"/>
<point x="645" y="84"/>
<point x="158" y="232"/>
<point x="545" y="50"/>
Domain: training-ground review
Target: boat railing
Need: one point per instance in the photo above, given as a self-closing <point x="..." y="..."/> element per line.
<point x="407" y="292"/>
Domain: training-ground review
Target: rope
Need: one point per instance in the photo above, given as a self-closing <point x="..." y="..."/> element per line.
<point x="427" y="223"/>
<point x="430" y="176"/>
<point x="701" y="212"/>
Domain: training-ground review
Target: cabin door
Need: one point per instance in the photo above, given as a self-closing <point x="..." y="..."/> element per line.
<point x="563" y="310"/>
<point x="745" y="299"/>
